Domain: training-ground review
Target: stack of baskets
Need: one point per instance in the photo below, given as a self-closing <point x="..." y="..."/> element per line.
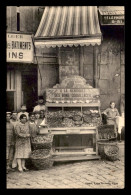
<point x="107" y="144"/>
<point x="106" y="132"/>
<point x="41" y="156"/>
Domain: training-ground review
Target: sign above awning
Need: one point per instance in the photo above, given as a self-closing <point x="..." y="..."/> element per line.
<point x="112" y="15"/>
<point x="68" y="26"/>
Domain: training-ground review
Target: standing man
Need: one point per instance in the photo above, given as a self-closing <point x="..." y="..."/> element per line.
<point x="40" y="105"/>
<point x="14" y="122"/>
<point x="13" y="119"/>
<point x="9" y="141"/>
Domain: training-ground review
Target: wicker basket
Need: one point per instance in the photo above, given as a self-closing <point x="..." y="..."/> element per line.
<point x="42" y="142"/>
<point x="44" y="163"/>
<point x="102" y="144"/>
<point x="78" y="122"/>
<point x="77" y="118"/>
<point x="46" y="145"/>
<point x="40" y="160"/>
<point x="87" y="112"/>
<point x="87" y="119"/>
<point x="111" y="152"/>
<point x="106" y="131"/>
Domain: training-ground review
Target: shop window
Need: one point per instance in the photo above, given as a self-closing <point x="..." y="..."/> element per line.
<point x="10" y="80"/>
<point x="10" y="90"/>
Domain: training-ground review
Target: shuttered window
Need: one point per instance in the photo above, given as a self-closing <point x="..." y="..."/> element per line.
<point x="11" y="85"/>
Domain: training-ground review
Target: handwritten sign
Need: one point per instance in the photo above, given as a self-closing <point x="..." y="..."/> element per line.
<point x="19" y="48"/>
<point x="70" y="95"/>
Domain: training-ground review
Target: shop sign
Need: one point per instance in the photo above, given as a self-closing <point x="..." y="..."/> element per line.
<point x="19" y="48"/>
<point x="72" y="95"/>
<point x="112" y="19"/>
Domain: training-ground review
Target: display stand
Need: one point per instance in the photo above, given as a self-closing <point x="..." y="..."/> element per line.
<point x="67" y="102"/>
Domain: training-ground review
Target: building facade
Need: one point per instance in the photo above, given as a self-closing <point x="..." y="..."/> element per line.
<point x="103" y="66"/>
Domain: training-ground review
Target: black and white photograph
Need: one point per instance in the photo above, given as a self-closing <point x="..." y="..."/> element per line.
<point x="65" y="97"/>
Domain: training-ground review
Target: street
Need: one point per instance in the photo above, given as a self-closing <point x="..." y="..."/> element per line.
<point x="94" y="174"/>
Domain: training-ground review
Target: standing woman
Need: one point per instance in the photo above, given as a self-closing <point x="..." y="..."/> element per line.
<point x="111" y="115"/>
<point x="23" y="145"/>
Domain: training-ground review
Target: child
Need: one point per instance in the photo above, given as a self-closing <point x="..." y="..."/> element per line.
<point x="32" y="125"/>
<point x="42" y="114"/>
<point x="38" y="120"/>
<point x="9" y="140"/>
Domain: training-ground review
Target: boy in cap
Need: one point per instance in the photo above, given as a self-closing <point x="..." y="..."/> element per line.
<point x="40" y="105"/>
<point x="32" y="125"/>
<point x="13" y="119"/>
<point x="23" y="111"/>
<point x="9" y="140"/>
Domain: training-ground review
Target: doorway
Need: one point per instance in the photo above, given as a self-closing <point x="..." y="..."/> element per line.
<point x="29" y="88"/>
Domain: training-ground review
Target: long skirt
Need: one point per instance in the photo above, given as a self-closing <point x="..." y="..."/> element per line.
<point x="112" y="122"/>
<point x="22" y="148"/>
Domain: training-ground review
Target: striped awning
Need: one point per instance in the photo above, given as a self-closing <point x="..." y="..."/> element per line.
<point x="68" y="26"/>
<point x="111" y="10"/>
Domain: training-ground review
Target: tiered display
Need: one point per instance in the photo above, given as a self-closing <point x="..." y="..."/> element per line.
<point x="77" y="104"/>
<point x="73" y="118"/>
<point x="73" y="107"/>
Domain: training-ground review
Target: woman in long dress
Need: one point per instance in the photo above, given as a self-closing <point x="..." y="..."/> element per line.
<point x="23" y="145"/>
<point x="111" y="115"/>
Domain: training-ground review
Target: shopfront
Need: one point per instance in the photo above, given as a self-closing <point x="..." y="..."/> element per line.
<point x="21" y="72"/>
<point x="73" y="33"/>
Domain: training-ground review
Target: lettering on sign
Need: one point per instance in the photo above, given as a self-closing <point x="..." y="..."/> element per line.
<point x="113" y="19"/>
<point x="19" y="48"/>
<point x="71" y="94"/>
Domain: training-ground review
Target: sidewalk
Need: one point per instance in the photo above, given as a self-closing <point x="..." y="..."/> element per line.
<point x="88" y="174"/>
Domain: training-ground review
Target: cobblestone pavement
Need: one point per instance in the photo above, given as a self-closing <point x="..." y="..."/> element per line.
<point x="87" y="174"/>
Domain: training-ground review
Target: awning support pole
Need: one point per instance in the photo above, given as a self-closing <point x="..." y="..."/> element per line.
<point x="36" y="58"/>
<point x="81" y="49"/>
<point x="95" y="66"/>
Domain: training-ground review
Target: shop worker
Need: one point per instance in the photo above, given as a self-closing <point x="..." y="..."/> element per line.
<point x="42" y="114"/>
<point x="38" y="120"/>
<point x="23" y="111"/>
<point x="23" y="144"/>
<point x="111" y="115"/>
<point x="40" y="105"/>
<point x="32" y="125"/>
<point x="9" y="141"/>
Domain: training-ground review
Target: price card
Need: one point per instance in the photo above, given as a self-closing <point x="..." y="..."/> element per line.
<point x="73" y="131"/>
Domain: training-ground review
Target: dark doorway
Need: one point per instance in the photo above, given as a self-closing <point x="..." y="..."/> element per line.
<point x="10" y="101"/>
<point x="29" y="88"/>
